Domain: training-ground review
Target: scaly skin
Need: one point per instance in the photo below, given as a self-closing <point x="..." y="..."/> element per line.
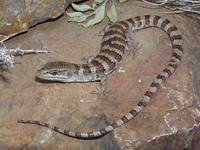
<point x="112" y="51"/>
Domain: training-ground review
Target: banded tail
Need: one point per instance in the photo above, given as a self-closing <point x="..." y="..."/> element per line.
<point x="115" y="31"/>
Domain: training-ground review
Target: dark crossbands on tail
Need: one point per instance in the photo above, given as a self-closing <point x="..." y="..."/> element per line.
<point x="112" y="50"/>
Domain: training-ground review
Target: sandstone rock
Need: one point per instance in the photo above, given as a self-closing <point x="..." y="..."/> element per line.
<point x="16" y="16"/>
<point x="170" y="121"/>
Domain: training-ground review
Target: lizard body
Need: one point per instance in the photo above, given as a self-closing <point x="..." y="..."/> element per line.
<point x="112" y="51"/>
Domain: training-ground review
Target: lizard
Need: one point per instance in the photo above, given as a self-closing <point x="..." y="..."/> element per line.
<point x="113" y="47"/>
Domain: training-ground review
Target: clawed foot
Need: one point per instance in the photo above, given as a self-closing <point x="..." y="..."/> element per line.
<point x="102" y="32"/>
<point x="87" y="59"/>
<point x="101" y="90"/>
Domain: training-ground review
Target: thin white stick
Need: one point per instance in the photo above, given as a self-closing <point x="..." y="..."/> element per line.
<point x="160" y="4"/>
<point x="7" y="54"/>
<point x="180" y="6"/>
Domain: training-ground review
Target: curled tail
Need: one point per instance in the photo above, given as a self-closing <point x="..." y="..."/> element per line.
<point x="137" y="23"/>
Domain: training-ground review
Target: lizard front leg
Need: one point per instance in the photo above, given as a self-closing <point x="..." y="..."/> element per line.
<point x="87" y="59"/>
<point x="102" y="89"/>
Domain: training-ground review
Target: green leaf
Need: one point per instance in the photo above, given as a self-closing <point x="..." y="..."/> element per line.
<point x="98" y="1"/>
<point x="74" y="14"/>
<point x="81" y="8"/>
<point x="99" y="15"/>
<point x="94" y="5"/>
<point x="76" y="17"/>
<point x="121" y="1"/>
<point x="112" y="13"/>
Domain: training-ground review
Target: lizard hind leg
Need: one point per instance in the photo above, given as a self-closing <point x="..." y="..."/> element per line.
<point x="102" y="32"/>
<point x="131" y="45"/>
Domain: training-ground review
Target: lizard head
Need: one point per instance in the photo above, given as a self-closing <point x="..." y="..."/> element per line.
<point x="58" y="71"/>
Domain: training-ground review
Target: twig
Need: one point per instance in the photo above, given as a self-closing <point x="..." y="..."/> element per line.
<point x="159" y="4"/>
<point x="189" y="10"/>
<point x="7" y="37"/>
<point x="18" y="51"/>
<point x="173" y="12"/>
<point x="7" y="54"/>
<point x="191" y="1"/>
<point x="179" y="6"/>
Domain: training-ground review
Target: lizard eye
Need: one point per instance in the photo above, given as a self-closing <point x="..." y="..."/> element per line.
<point x="53" y="72"/>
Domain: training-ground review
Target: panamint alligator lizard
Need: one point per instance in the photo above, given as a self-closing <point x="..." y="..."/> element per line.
<point x="113" y="47"/>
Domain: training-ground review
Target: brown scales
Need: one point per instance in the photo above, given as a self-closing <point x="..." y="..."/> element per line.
<point x="103" y="64"/>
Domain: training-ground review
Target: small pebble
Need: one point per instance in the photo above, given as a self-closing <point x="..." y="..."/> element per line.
<point x="82" y="100"/>
<point x="140" y="80"/>
<point x="121" y="69"/>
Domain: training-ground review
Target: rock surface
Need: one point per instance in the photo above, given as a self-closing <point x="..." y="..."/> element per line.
<point x="16" y="16"/>
<point x="170" y="121"/>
